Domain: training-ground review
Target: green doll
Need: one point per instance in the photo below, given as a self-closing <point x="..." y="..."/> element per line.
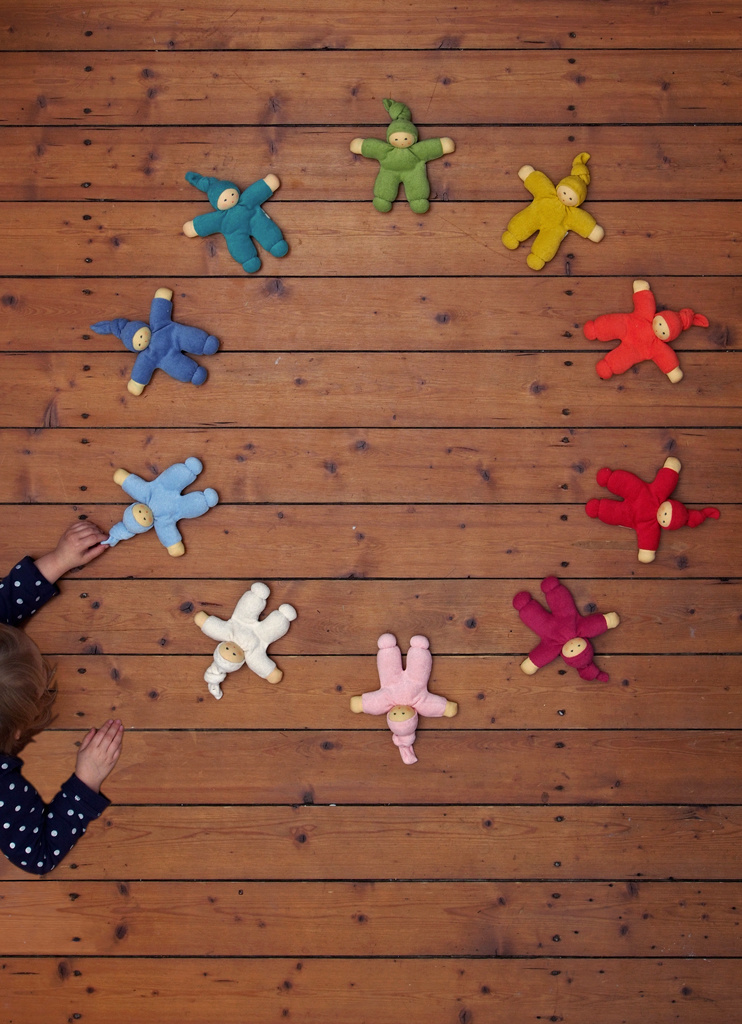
<point x="402" y="160"/>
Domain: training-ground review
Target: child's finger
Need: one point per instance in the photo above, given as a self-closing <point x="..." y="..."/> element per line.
<point x="87" y="739"/>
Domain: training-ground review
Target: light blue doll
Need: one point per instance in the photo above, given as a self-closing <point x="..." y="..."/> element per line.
<point x="159" y="503"/>
<point x="238" y="216"/>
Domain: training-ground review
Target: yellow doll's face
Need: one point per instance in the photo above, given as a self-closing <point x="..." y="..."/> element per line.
<point x="660" y="328"/>
<point x="574" y="647"/>
<point x="231" y="651"/>
<point x="141" y="339"/>
<point x="142" y="514"/>
<point x="402" y="140"/>
<point x="664" y="514"/>
<point x="401" y="713"/>
<point x="567" y="195"/>
<point x="227" y="199"/>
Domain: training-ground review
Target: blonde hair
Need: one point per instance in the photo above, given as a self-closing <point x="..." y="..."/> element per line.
<point x="27" y="690"/>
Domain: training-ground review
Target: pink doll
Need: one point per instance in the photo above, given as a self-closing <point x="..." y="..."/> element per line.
<point x="403" y="693"/>
<point x="562" y="631"/>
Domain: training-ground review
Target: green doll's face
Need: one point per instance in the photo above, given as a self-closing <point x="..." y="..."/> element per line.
<point x="660" y="328"/>
<point x="664" y="514"/>
<point x="141" y="339"/>
<point x="567" y="195"/>
<point x="227" y="199"/>
<point x="401" y="140"/>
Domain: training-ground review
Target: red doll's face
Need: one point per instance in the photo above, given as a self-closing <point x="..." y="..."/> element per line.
<point x="574" y="647"/>
<point x="664" y="514"/>
<point x="660" y="328"/>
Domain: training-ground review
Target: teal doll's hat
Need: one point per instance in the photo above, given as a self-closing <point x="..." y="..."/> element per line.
<point x="401" y="118"/>
<point x="213" y="187"/>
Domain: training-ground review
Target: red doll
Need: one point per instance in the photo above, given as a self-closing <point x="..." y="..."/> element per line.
<point x="563" y="631"/>
<point x="646" y="508"/>
<point x="644" y="334"/>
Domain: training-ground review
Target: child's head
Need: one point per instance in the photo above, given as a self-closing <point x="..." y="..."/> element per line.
<point x="26" y="691"/>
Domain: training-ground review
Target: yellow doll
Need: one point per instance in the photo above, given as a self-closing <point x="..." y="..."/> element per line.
<point x="553" y="212"/>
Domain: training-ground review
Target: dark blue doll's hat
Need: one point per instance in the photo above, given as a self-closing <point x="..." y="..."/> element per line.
<point x="213" y="187"/>
<point x="124" y="329"/>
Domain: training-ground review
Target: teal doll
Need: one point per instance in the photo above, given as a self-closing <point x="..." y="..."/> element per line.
<point x="402" y="160"/>
<point x="238" y="216"/>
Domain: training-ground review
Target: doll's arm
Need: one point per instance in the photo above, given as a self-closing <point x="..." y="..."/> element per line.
<point x="537" y="183"/>
<point x="206" y="224"/>
<point x="161" y="310"/>
<point x="429" y="149"/>
<point x="595" y="624"/>
<point x="375" y="149"/>
<point x="144" y="366"/>
<point x="666" y="480"/>
<point x="432" y="705"/>
<point x="263" y="666"/>
<point x="377" y="702"/>
<point x="644" y="301"/>
<point x="257" y="193"/>
<point x="133" y="485"/>
<point x="582" y="223"/>
<point x="211" y="625"/>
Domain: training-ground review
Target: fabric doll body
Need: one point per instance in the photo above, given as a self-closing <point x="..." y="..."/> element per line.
<point x="161" y="344"/>
<point x="248" y="637"/>
<point x="402" y="167"/>
<point x="163" y="499"/>
<point x="563" y="631"/>
<point x="643" y="505"/>
<point x="241" y="221"/>
<point x="403" y="694"/>
<point x="639" y="337"/>
<point x="553" y="212"/>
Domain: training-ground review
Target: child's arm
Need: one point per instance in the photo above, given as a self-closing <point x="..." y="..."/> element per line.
<point x="36" y="836"/>
<point x="78" y="545"/>
<point x="23" y="591"/>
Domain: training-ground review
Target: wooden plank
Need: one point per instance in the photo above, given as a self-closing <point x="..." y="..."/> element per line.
<point x="444" y="843"/>
<point x="394" y="542"/>
<point x="361" y="465"/>
<point x="313" y="990"/>
<point x="340" y="767"/>
<point x="346" y="616"/>
<point x="375" y="919"/>
<point x="390" y="389"/>
<point x="333" y="24"/>
<point x="430" y="314"/>
<point x="442" y="87"/>
<point x="352" y="239"/>
<point x="135" y="163"/>
<point x="164" y="691"/>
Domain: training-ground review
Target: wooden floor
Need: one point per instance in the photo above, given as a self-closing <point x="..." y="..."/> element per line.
<point x="403" y="425"/>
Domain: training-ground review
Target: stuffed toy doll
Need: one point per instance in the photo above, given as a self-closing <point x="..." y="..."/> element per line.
<point x="161" y="344"/>
<point x="244" y="638"/>
<point x="644" y="334"/>
<point x="553" y="212"/>
<point x="403" y="693"/>
<point x="239" y="217"/>
<point x="402" y="159"/>
<point x="646" y="507"/>
<point x="563" y="631"/>
<point x="159" y="503"/>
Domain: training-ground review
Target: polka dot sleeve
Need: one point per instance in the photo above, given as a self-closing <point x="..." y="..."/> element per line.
<point x="23" y="591"/>
<point x="36" y="836"/>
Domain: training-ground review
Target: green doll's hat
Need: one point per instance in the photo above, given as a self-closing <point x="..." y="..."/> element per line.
<point x="401" y="119"/>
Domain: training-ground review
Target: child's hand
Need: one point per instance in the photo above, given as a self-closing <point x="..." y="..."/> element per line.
<point x="78" y="545"/>
<point x="98" y="753"/>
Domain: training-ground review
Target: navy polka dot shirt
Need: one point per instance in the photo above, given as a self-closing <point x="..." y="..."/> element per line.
<point x="33" y="835"/>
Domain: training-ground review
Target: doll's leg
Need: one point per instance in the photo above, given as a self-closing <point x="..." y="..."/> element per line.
<point x="388" y="659"/>
<point x="618" y="360"/>
<point x="533" y="614"/>
<point x="193" y="339"/>
<point x="178" y="476"/>
<point x="386" y="188"/>
<point x="608" y="327"/>
<point x="182" y="367"/>
<point x="417" y="188"/>
<point x="545" y="247"/>
<point x="196" y="503"/>
<point x="607" y="511"/>
<point x="558" y="597"/>
<point x="242" y="249"/>
<point x="520" y="227"/>
<point x="419" y="660"/>
<point x="268" y="234"/>
<point x="620" y="482"/>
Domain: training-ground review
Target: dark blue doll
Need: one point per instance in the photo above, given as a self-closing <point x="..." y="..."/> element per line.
<point x="238" y="216"/>
<point x="161" y="344"/>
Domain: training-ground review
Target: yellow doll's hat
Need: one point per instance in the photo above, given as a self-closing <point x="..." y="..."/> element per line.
<point x="579" y="178"/>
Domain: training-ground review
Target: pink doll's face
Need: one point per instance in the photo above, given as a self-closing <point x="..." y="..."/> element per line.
<point x="142" y="514"/>
<point x="660" y="328"/>
<point x="401" y="713"/>
<point x="664" y="514"/>
<point x="567" y="195"/>
<point x="141" y="339"/>
<point x="227" y="199"/>
<point x="231" y="651"/>
<point x="574" y="647"/>
<point x="401" y="140"/>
